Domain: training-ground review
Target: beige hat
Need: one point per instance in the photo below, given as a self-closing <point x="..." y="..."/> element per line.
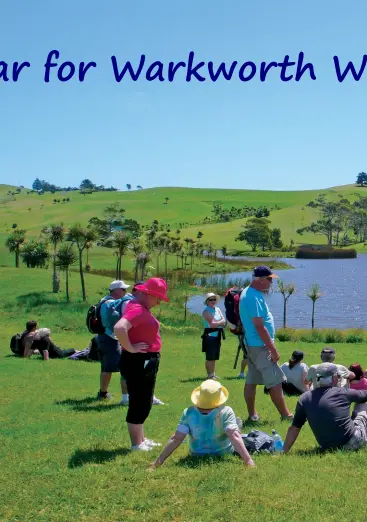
<point x="210" y="394"/>
<point x="209" y="295"/>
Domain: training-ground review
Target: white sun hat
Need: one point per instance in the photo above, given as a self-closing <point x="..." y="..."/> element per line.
<point x="209" y="295"/>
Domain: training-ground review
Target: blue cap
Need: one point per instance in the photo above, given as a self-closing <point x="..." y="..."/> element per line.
<point x="263" y="271"/>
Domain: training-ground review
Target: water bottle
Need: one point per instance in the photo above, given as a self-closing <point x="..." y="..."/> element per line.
<point x="239" y="422"/>
<point x="278" y="443"/>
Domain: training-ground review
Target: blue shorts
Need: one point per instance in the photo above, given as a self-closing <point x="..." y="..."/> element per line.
<point x="109" y="353"/>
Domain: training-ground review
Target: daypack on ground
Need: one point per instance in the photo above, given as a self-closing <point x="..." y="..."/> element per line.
<point x="15" y="344"/>
<point x="258" y="441"/>
<point x="232" y="307"/>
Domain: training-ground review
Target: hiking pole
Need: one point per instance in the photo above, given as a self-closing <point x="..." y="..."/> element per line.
<point x="238" y="352"/>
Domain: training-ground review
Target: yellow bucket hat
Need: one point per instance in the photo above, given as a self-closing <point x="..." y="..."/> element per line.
<point x="210" y="394"/>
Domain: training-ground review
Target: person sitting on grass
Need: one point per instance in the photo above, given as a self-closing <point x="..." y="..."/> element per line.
<point x="359" y="382"/>
<point x="210" y="424"/>
<point x="36" y="340"/>
<point x="295" y="371"/>
<point x="328" y="356"/>
<point x="327" y="409"/>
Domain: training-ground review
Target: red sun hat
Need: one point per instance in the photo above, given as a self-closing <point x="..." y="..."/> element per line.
<point x="154" y="286"/>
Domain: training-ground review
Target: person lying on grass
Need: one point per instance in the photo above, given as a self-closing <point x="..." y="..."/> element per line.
<point x="327" y="409"/>
<point x="38" y="341"/>
<point x="210" y="424"/>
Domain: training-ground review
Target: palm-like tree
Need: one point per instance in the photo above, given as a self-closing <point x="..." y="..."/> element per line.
<point x="65" y="258"/>
<point x="314" y="293"/>
<point x="14" y="242"/>
<point x="142" y="260"/>
<point x="120" y="241"/>
<point x="81" y="237"/>
<point x="35" y="254"/>
<point x="55" y="233"/>
<point x="286" y="290"/>
<point x="137" y="248"/>
<point x="88" y="246"/>
<point x="159" y="244"/>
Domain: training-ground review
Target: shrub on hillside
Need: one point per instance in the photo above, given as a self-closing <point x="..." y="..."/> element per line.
<point x="352" y="338"/>
<point x="333" y="336"/>
<point x="314" y="336"/>
<point x="286" y="334"/>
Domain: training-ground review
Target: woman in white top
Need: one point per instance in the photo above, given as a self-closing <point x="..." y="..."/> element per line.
<point x="214" y="323"/>
<point x="295" y="372"/>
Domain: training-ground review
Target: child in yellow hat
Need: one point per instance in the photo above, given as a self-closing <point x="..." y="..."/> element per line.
<point x="210" y="424"/>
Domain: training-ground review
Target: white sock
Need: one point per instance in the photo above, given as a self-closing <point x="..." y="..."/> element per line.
<point x="125" y="396"/>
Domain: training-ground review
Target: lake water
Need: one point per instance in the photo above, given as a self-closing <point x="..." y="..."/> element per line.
<point x="343" y="283"/>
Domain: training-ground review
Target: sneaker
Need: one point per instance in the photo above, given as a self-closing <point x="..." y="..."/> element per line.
<point x="104" y="397"/>
<point x="141" y="447"/>
<point x="254" y="418"/>
<point x="157" y="402"/>
<point x="214" y="377"/>
<point x="287" y="417"/>
<point x="151" y="443"/>
<point x="241" y="376"/>
<point x="124" y="402"/>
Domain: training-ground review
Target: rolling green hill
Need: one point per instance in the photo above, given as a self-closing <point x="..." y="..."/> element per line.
<point x="185" y="205"/>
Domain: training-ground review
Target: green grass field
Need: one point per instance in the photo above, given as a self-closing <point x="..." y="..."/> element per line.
<point x="184" y="205"/>
<point x="65" y="456"/>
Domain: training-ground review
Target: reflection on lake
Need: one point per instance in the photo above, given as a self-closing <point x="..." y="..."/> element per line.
<point x="343" y="283"/>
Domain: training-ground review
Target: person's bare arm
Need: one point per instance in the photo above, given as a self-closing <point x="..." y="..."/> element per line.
<point x="239" y="446"/>
<point x="174" y="442"/>
<point x="265" y="337"/>
<point x="304" y="380"/>
<point x="291" y="438"/>
<point x="121" y="331"/>
<point x="351" y="376"/>
<point x="211" y="322"/>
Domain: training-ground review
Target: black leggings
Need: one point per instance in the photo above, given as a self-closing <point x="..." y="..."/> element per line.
<point x="54" y="351"/>
<point x="288" y="389"/>
<point x="139" y="371"/>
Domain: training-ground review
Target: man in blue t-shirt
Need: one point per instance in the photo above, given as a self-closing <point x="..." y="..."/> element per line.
<point x="258" y="325"/>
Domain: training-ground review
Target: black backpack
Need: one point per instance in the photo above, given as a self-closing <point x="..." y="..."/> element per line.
<point x="231" y="304"/>
<point x="93" y="320"/>
<point x="15" y="343"/>
<point x="258" y="442"/>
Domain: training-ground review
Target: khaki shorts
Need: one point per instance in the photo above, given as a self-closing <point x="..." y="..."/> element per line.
<point x="261" y="369"/>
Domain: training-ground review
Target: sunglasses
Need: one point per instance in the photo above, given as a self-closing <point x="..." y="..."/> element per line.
<point x="212" y="300"/>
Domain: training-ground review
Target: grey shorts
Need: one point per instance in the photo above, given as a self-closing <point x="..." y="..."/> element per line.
<point x="109" y="353"/>
<point x="261" y="369"/>
<point x="359" y="438"/>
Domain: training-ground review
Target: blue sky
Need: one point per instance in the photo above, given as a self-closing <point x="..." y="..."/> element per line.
<point x="275" y="135"/>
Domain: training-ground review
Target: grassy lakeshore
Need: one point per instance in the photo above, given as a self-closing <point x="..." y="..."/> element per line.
<point x="65" y="456"/>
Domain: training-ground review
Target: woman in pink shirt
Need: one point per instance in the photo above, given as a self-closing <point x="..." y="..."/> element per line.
<point x="360" y="382"/>
<point x="138" y="333"/>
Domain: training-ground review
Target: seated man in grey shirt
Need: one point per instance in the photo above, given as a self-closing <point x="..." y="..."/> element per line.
<point x="328" y="356"/>
<point x="327" y="409"/>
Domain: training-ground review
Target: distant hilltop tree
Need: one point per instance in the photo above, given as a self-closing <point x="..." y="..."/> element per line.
<point x="41" y="186"/>
<point x="139" y="187"/>
<point x="37" y="184"/>
<point x="87" y="184"/>
<point x="128" y="186"/>
<point x="361" y="179"/>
